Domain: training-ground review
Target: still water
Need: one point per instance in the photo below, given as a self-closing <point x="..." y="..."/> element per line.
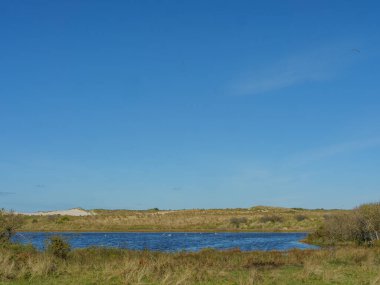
<point x="171" y="242"/>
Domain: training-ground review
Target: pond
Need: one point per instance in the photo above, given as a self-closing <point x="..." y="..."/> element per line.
<point x="173" y="241"/>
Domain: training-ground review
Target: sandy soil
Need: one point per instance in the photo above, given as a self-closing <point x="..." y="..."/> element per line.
<point x="71" y="212"/>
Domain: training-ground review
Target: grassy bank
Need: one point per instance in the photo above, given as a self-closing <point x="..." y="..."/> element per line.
<point x="253" y="219"/>
<point x="349" y="265"/>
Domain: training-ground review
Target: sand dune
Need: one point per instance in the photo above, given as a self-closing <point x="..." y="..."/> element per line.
<point x="71" y="212"/>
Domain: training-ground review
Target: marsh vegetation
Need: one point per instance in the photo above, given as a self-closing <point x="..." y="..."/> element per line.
<point x="353" y="265"/>
<point x="354" y="257"/>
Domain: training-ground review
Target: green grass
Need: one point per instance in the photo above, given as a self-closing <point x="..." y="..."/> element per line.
<point x="345" y="265"/>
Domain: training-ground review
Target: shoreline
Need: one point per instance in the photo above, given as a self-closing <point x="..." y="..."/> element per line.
<point x="166" y="231"/>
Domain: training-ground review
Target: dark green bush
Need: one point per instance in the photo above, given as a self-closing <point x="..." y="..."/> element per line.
<point x="237" y="221"/>
<point x="271" y="218"/>
<point x="300" y="218"/>
<point x="63" y="219"/>
<point x="58" y="247"/>
<point x="154" y="209"/>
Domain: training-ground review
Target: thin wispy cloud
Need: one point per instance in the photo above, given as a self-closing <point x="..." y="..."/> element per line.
<point x="6" y="193"/>
<point x="177" y="189"/>
<point x="333" y="150"/>
<point x="316" y="65"/>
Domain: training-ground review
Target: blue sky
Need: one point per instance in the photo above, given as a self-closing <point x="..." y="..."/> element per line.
<point x="189" y="104"/>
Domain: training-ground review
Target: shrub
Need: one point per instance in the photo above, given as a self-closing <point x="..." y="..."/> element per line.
<point x="9" y="222"/>
<point x="63" y="219"/>
<point x="154" y="209"/>
<point x="300" y="218"/>
<point x="361" y="225"/>
<point x="271" y="218"/>
<point x="368" y="222"/>
<point x="58" y="247"/>
<point x="52" y="218"/>
<point x="237" y="221"/>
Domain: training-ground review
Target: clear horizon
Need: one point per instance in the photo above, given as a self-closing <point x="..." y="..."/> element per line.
<point x="184" y="105"/>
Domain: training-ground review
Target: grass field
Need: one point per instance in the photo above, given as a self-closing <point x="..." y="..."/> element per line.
<point x="348" y="265"/>
<point x="252" y="219"/>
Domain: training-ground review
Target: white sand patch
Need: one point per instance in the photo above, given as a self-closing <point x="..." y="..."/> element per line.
<point x="71" y="212"/>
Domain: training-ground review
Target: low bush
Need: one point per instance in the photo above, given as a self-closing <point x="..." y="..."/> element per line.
<point x="9" y="222"/>
<point x="58" y="247"/>
<point x="63" y="219"/>
<point x="271" y="218"/>
<point x="361" y="226"/>
<point x="237" y="221"/>
<point x="154" y="209"/>
<point x="300" y="218"/>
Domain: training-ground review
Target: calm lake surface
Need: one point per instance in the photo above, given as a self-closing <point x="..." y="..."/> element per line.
<point x="171" y="242"/>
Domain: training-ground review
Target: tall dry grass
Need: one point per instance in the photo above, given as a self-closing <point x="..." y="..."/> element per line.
<point x="113" y="266"/>
<point x="254" y="219"/>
